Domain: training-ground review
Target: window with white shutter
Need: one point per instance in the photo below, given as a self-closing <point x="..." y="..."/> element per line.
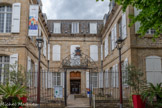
<point x="93" y="28"/>
<point x="5" y="18"/>
<point x="113" y="37"/>
<point x="29" y="70"/>
<point x="94" y="52"/>
<point x="50" y="85"/>
<point x="56" y="52"/>
<point x="16" y="11"/>
<point x="153" y="69"/>
<point x="44" y="46"/>
<point x="124" y="26"/>
<point x="106" y="46"/>
<point x="75" y="27"/>
<point x="57" y="28"/>
<point x="62" y="79"/>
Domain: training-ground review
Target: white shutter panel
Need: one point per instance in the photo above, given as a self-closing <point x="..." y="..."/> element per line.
<point x="106" y="78"/>
<point x="115" y="36"/>
<point x="101" y="52"/>
<point x="137" y="24"/>
<point x="14" y="62"/>
<point x="94" y="52"/>
<point x="87" y="79"/>
<point x="48" y="51"/>
<point x="93" y="28"/>
<point x="117" y="75"/>
<point x="62" y="79"/>
<point x="50" y="80"/>
<point x="16" y="11"/>
<point x="29" y="64"/>
<point x="40" y="30"/>
<point x="56" y="52"/>
<point x="114" y="81"/>
<point x="125" y="74"/>
<point x="101" y="80"/>
<point x="112" y="39"/>
<point x="106" y="46"/>
<point x="36" y="72"/>
<point x="44" y="46"/>
<point x="124" y="31"/>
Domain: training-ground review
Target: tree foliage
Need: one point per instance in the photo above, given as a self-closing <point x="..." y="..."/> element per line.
<point x="150" y="16"/>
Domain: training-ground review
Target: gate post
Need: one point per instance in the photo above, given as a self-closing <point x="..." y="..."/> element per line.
<point x="65" y="95"/>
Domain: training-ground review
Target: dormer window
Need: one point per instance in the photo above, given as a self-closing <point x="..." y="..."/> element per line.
<point x="57" y="28"/>
<point x="75" y="27"/>
<point x="93" y="28"/>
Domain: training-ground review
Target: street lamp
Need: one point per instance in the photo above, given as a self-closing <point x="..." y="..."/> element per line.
<point x="39" y="41"/>
<point x="119" y="43"/>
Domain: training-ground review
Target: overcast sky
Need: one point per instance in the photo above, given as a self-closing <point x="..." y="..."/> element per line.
<point x="75" y="9"/>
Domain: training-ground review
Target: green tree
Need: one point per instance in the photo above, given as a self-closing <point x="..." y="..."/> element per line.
<point x="150" y="16"/>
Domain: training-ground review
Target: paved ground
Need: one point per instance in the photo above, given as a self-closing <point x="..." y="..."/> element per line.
<point x="77" y="102"/>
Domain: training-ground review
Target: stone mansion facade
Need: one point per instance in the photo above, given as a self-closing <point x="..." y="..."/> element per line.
<point x="95" y="38"/>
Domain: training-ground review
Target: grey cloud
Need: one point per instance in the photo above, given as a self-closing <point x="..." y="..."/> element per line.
<point x="75" y="9"/>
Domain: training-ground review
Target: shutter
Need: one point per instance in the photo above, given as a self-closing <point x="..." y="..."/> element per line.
<point x="56" y="52"/>
<point x="102" y="52"/>
<point x="112" y="39"/>
<point x="113" y="72"/>
<point x="93" y="28"/>
<point x="29" y="64"/>
<point x="50" y="80"/>
<point x="137" y="24"/>
<point x="40" y="30"/>
<point x="124" y="31"/>
<point x="16" y="11"/>
<point x="36" y="72"/>
<point x="115" y="35"/>
<point x="77" y="28"/>
<point x="62" y="79"/>
<point x="72" y="50"/>
<point x="14" y="62"/>
<point x="106" y="78"/>
<point x="94" y="52"/>
<point x="44" y="46"/>
<point x="101" y="80"/>
<point x="106" y="46"/>
<point x="87" y="79"/>
<point x="48" y="51"/>
<point x="117" y="75"/>
<point x="125" y="74"/>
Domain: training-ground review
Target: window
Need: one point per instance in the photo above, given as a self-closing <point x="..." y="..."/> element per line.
<point x="94" y="79"/>
<point x="94" y="52"/>
<point x="153" y="69"/>
<point x="93" y="28"/>
<point x="56" y="52"/>
<point x="57" y="28"/>
<point x="4" y="68"/>
<point x="75" y="27"/>
<point x="151" y="31"/>
<point x="5" y="19"/>
<point x="57" y="79"/>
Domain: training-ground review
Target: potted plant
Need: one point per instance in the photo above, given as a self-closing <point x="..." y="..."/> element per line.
<point x="11" y="94"/>
<point x="153" y="94"/>
<point x="134" y="78"/>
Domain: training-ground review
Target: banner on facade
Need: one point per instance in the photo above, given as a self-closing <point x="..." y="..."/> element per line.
<point x="58" y="92"/>
<point x="33" y="20"/>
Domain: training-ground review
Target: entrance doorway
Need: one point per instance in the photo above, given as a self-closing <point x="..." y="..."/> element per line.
<point x="75" y="86"/>
<point x="75" y="82"/>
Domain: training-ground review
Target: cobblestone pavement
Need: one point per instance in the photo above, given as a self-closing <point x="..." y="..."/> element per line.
<point x="77" y="102"/>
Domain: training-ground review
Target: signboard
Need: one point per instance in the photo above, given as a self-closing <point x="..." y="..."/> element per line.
<point x="33" y="20"/>
<point x="58" y="90"/>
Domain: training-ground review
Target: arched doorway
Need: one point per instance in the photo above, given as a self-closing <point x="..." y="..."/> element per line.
<point x="75" y="82"/>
